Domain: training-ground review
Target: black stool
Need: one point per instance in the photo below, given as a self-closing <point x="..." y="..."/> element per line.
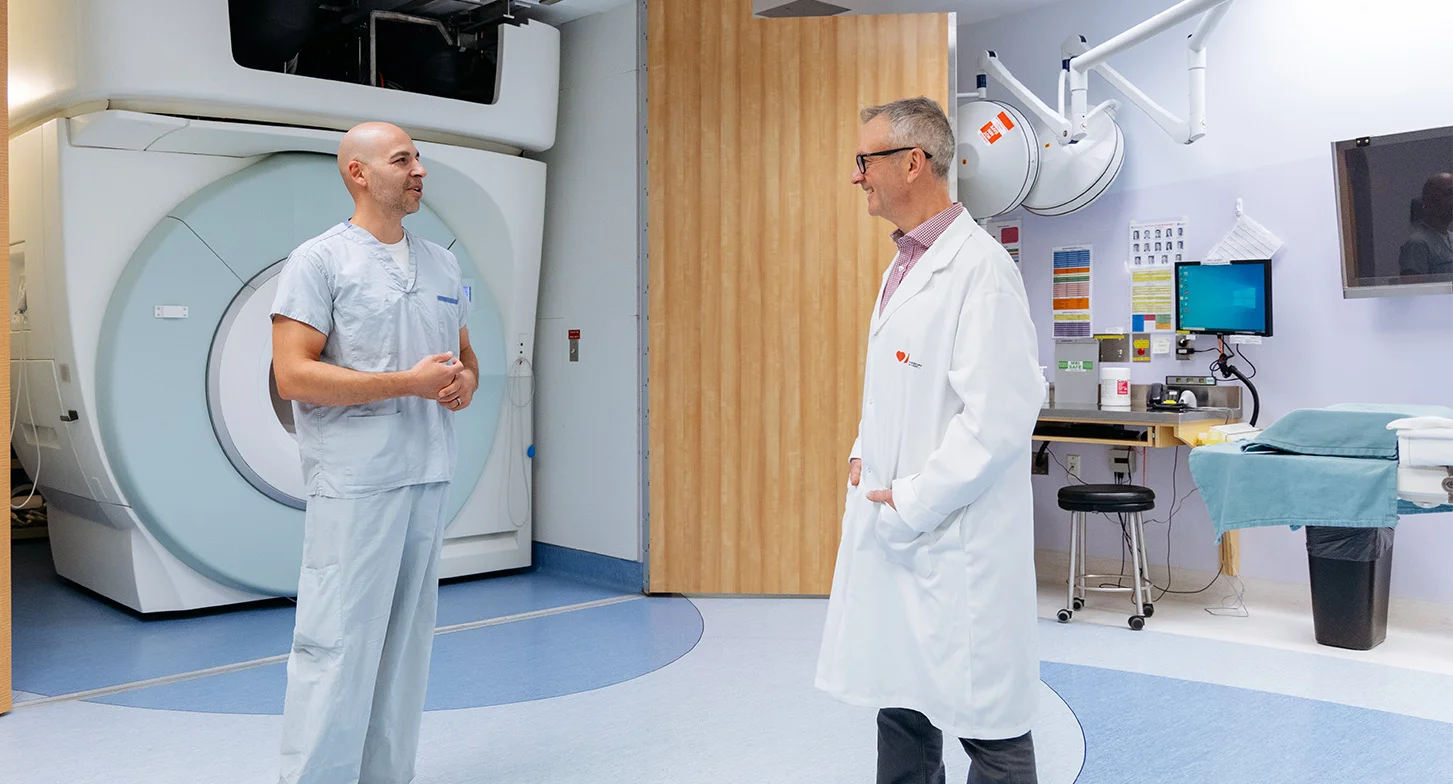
<point x="1083" y="500"/>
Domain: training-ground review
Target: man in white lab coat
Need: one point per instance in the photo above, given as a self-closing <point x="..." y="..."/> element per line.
<point x="932" y="618"/>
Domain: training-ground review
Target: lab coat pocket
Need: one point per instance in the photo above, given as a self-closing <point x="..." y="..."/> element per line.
<point x="319" y="623"/>
<point x="899" y="543"/>
<point x="372" y="446"/>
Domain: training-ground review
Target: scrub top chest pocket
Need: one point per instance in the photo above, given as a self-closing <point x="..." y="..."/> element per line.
<point x="448" y="310"/>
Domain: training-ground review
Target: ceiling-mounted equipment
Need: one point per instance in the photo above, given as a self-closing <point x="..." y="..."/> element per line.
<point x="997" y="145"/>
<point x="1077" y="150"/>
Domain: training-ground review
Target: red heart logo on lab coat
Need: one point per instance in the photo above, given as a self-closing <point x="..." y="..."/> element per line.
<point x="902" y="357"/>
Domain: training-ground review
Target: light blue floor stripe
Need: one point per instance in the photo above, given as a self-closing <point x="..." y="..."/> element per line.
<point x="741" y="707"/>
<point x="1151" y="730"/>
<point x="67" y="640"/>
<point x="516" y="662"/>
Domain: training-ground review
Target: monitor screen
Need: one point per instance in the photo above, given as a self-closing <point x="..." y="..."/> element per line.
<point x="1228" y="299"/>
<point x="1395" y="210"/>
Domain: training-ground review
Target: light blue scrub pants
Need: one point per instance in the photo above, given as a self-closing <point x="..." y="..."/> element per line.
<point x="367" y="600"/>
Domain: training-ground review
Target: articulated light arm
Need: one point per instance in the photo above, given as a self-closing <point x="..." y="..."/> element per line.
<point x="989" y="65"/>
<point x="1080" y="60"/>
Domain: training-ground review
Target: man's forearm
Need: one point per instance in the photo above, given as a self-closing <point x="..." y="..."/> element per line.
<point x="322" y="384"/>
<point x="470" y="362"/>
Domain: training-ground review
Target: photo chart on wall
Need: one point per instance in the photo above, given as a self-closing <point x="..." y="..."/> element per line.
<point x="1154" y="248"/>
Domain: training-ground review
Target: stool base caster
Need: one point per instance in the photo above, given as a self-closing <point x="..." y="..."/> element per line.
<point x="1064" y="616"/>
<point x="1137" y="622"/>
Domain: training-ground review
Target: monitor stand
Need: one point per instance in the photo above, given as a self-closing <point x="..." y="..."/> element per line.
<point x="1223" y="366"/>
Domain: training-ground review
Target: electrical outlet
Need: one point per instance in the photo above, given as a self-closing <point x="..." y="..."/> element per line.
<point x="1074" y="466"/>
<point x="1122" y="461"/>
<point x="1185" y="345"/>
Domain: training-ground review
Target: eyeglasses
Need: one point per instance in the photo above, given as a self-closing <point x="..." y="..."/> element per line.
<point x="862" y="158"/>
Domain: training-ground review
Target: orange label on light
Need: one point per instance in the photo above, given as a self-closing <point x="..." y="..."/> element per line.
<point x="990" y="132"/>
<point x="1008" y="123"/>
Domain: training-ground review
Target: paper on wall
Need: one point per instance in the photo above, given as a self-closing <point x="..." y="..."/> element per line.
<point x="1157" y="242"/>
<point x="1247" y="240"/>
<point x="1071" y="309"/>
<point x="1006" y="233"/>
<point x="1152" y="298"/>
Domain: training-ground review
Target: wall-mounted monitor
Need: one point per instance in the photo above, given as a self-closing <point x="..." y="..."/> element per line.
<point x="1224" y="299"/>
<point x="1395" y="213"/>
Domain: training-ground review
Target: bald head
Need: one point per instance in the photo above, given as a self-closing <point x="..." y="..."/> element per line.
<point x="380" y="166"/>
<point x="1439" y="186"/>
<point x="1438" y="201"/>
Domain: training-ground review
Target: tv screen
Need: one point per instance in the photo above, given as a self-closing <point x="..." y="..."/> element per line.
<point x="1224" y="299"/>
<point x="1395" y="209"/>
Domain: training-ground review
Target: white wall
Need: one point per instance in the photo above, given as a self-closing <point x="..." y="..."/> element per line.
<point x="587" y="465"/>
<point x="1286" y="79"/>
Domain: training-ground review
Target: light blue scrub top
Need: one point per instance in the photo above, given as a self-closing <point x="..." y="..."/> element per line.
<point x="345" y="284"/>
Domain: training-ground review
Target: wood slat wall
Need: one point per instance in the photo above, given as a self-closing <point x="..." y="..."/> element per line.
<point x="763" y="267"/>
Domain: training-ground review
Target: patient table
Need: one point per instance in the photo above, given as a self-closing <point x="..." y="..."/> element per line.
<point x="1343" y="466"/>
<point x="1425" y="460"/>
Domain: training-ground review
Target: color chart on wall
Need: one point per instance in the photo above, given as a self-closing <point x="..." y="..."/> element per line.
<point x="1152" y="298"/>
<point x="1006" y="233"/>
<point x="1072" y="292"/>
<point x="1155" y="247"/>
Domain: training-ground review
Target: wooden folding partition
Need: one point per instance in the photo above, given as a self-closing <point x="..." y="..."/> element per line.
<point x="763" y="267"/>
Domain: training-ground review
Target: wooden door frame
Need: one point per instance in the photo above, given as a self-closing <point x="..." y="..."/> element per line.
<point x="5" y="620"/>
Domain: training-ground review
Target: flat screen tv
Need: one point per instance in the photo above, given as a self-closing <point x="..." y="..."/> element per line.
<point x="1395" y="213"/>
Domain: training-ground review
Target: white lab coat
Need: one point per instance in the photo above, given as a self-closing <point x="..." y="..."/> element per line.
<point x="933" y="606"/>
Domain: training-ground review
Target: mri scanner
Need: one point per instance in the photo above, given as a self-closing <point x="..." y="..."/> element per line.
<point x="157" y="185"/>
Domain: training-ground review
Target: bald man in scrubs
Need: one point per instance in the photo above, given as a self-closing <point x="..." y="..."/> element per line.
<point x="370" y="343"/>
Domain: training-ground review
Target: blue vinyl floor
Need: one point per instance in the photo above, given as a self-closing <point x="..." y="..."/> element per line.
<point x="665" y="689"/>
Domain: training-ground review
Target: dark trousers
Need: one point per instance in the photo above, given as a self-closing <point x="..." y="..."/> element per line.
<point x="910" y="751"/>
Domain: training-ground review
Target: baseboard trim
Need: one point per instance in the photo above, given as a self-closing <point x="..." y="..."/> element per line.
<point x="594" y="568"/>
<point x="1052" y="568"/>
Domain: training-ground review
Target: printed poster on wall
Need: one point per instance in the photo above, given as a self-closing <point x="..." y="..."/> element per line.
<point x="1072" y="292"/>
<point x="1006" y="233"/>
<point x="1152" y="299"/>
<point x="1158" y="242"/>
<point x="1155" y="247"/>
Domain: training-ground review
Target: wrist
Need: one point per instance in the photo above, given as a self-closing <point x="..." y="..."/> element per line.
<point x="403" y="383"/>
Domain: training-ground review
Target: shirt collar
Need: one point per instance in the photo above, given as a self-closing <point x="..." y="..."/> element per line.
<point x="930" y="230"/>
<point x="365" y="237"/>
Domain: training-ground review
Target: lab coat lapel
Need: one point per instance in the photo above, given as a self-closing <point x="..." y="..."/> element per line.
<point x="943" y="251"/>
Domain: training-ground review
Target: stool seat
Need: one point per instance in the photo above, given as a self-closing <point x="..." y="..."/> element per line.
<point x="1106" y="498"/>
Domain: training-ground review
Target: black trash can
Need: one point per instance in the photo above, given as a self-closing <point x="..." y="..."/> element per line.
<point x="1351" y="570"/>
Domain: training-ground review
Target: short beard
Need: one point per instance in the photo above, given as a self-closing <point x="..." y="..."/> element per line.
<point x="400" y="204"/>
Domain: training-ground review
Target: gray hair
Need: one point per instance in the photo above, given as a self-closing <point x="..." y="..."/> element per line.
<point x="919" y="122"/>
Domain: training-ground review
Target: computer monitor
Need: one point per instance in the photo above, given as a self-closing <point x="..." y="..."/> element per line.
<point x="1224" y="299"/>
